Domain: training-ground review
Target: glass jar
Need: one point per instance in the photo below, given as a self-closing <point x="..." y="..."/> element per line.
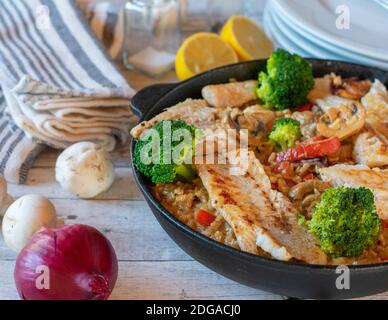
<point x="254" y="9"/>
<point x="206" y="15"/>
<point x="221" y="10"/>
<point x="152" y="36"/>
<point x="194" y="16"/>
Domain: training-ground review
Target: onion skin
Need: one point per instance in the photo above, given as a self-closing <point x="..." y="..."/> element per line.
<point x="82" y="265"/>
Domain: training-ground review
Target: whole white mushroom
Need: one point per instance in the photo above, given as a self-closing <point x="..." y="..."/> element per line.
<point x="26" y="216"/>
<point x="85" y="169"/>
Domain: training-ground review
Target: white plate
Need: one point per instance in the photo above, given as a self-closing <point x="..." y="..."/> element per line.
<point x="383" y="3"/>
<point x="296" y="44"/>
<point x="368" y="23"/>
<point x="322" y="50"/>
<point x="293" y="39"/>
<point x="280" y="42"/>
<point x="304" y="35"/>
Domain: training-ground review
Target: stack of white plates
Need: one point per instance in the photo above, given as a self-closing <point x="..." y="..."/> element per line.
<point x="317" y="29"/>
<point x="383" y="3"/>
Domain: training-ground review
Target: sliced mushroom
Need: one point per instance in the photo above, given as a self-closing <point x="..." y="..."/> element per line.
<point x="351" y="88"/>
<point x="302" y="189"/>
<point x="308" y="123"/>
<point x="262" y="117"/>
<point x="311" y="200"/>
<point x="257" y="120"/>
<point x="309" y="203"/>
<point x="343" y="121"/>
<point x="233" y="116"/>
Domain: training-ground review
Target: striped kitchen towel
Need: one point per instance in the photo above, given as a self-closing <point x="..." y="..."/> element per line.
<point x="17" y="152"/>
<point x="51" y="63"/>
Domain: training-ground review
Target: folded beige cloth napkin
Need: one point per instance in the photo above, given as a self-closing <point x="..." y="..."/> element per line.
<point x="59" y="118"/>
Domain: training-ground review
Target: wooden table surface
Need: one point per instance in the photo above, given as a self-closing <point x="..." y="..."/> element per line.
<point x="151" y="265"/>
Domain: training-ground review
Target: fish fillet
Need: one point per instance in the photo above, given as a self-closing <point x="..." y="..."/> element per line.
<point x="370" y="150"/>
<point x="259" y="216"/>
<point x="234" y="94"/>
<point x="321" y="89"/>
<point x="195" y="112"/>
<point x="356" y="176"/>
<point x="376" y="105"/>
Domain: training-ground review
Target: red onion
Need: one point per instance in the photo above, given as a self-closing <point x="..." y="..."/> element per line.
<point x="75" y="262"/>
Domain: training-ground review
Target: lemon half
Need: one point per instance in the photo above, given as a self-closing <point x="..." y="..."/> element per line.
<point x="201" y="52"/>
<point x="247" y="38"/>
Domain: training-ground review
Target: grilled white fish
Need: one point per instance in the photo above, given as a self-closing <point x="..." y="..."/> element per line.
<point x="195" y="112"/>
<point x="343" y="175"/>
<point x="321" y="89"/>
<point x="259" y="215"/>
<point x="376" y="105"/>
<point x="234" y="94"/>
<point x="371" y="150"/>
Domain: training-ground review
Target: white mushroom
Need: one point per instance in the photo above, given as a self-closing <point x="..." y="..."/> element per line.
<point x="25" y="217"/>
<point x="343" y="121"/>
<point x="85" y="169"/>
<point x="5" y="198"/>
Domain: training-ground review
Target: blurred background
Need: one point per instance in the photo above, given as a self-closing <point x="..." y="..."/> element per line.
<point x="146" y="34"/>
<point x="166" y="23"/>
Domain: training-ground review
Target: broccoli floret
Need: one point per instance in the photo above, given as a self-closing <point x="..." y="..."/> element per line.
<point x="345" y="221"/>
<point x="285" y="133"/>
<point x="288" y="82"/>
<point x="140" y="165"/>
<point x="168" y="149"/>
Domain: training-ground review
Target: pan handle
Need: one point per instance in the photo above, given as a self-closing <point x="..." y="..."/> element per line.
<point x="147" y="97"/>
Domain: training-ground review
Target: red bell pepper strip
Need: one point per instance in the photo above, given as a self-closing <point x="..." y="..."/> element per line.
<point x="308" y="177"/>
<point x="274" y="186"/>
<point x="305" y="107"/>
<point x="314" y="148"/>
<point x="205" y="218"/>
<point x="290" y="183"/>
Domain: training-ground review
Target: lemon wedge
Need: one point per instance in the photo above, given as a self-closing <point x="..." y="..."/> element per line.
<point x="247" y="38"/>
<point x="201" y="52"/>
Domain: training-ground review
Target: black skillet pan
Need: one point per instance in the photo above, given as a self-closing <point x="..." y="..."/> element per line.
<point x="295" y="280"/>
